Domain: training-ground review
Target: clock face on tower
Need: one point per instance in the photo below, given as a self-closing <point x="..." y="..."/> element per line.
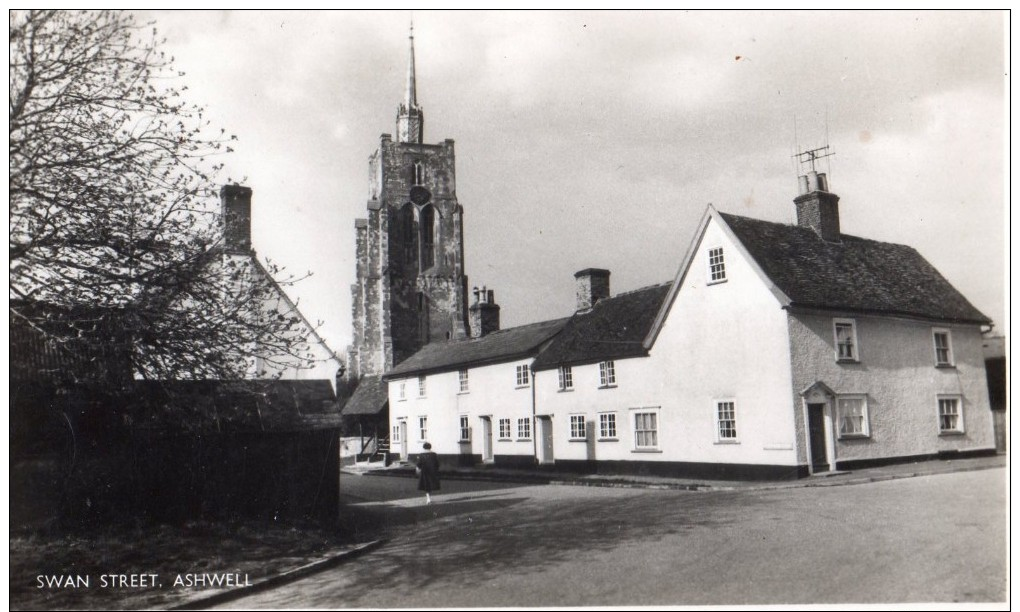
<point x="420" y="196"/>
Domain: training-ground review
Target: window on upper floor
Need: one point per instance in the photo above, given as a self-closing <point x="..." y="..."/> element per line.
<point x="950" y="414"/>
<point x="646" y="429"/>
<point x="402" y="391"/>
<point x="845" y="333"/>
<point x="463" y="378"/>
<point x="607" y="374"/>
<point x="504" y="429"/>
<point x="566" y="378"/>
<point x="421" y="386"/>
<point x="716" y="265"/>
<point x="418" y="173"/>
<point x="423" y="428"/>
<point x="523" y="378"/>
<point x="943" y="347"/>
<point x="524" y="429"/>
<point x="852" y="416"/>
<point x="578" y="427"/>
<point x="726" y="421"/>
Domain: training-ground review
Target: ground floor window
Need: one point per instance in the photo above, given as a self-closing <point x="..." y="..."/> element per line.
<point x="950" y="414"/>
<point x="524" y="429"/>
<point x="646" y="430"/>
<point x="465" y="429"/>
<point x="607" y="425"/>
<point x="578" y="430"/>
<point x="396" y="434"/>
<point x="423" y="428"/>
<point x="852" y="416"/>
<point x="504" y="429"/>
<point x="726" y="421"/>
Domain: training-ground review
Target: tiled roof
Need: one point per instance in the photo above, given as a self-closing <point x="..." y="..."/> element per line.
<point x="369" y="398"/>
<point x="613" y="329"/>
<point x="854" y="274"/>
<point x="243" y="405"/>
<point x="49" y="344"/>
<point x="498" y="346"/>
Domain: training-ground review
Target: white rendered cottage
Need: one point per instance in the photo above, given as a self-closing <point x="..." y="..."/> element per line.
<point x="778" y="351"/>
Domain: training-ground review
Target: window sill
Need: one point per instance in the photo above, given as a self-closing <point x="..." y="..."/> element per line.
<point x="716" y="282"/>
<point x="612" y="386"/>
<point x="724" y="442"/>
<point x="861" y="436"/>
<point x="468" y="441"/>
<point x="519" y="387"/>
<point x="646" y="450"/>
<point x="848" y="361"/>
<point x="577" y="440"/>
<point x="945" y="366"/>
<point x="524" y="439"/>
<point x="504" y="440"/>
<point x="570" y="390"/>
<point x="950" y="434"/>
<point x="463" y="393"/>
<point x="609" y="439"/>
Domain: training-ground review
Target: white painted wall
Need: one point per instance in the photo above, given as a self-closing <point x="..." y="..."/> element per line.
<point x="720" y="341"/>
<point x="492" y="393"/>
<point x="897" y="373"/>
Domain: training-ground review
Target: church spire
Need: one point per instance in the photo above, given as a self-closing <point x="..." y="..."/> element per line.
<point x="409" y="97"/>
<point x="410" y="121"/>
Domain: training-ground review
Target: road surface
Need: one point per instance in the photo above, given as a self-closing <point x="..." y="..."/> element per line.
<point x="935" y="538"/>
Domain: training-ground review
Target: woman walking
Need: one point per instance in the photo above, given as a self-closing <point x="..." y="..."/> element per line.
<point x="428" y="472"/>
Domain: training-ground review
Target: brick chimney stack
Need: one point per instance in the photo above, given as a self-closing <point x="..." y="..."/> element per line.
<point x="483" y="314"/>
<point x="592" y="286"/>
<point x="235" y="201"/>
<point x="817" y="208"/>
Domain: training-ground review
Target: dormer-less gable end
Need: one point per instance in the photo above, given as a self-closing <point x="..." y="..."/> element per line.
<point x="713" y="255"/>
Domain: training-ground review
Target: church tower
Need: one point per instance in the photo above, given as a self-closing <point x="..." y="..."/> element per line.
<point x="411" y="288"/>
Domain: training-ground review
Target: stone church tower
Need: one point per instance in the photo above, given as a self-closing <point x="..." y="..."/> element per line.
<point x="411" y="288"/>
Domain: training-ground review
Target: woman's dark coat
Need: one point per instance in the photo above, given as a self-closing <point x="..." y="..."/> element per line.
<point x="428" y="478"/>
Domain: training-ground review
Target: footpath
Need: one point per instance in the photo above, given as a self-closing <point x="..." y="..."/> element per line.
<point x="825" y="479"/>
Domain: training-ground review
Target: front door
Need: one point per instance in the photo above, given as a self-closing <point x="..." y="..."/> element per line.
<point x="545" y="423"/>
<point x="403" y="440"/>
<point x="486" y="439"/>
<point x="816" y="436"/>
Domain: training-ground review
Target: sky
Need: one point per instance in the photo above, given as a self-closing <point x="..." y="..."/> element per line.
<point x="597" y="139"/>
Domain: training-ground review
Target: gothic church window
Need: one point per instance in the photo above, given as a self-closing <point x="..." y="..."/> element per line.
<point x="408" y="235"/>
<point x="418" y="173"/>
<point x="428" y="237"/>
<point x="423" y="318"/>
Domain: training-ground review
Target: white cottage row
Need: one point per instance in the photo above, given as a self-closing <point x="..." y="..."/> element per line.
<point x="777" y="351"/>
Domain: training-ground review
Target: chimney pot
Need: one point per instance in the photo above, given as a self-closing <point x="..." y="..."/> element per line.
<point x="235" y="204"/>
<point x="592" y="285"/>
<point x="817" y="208"/>
<point x="483" y="315"/>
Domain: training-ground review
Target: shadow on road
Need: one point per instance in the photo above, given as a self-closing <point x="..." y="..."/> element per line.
<point x="478" y="538"/>
<point x="365" y="521"/>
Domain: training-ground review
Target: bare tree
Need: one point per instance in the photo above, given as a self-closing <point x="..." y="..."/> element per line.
<point x="113" y="223"/>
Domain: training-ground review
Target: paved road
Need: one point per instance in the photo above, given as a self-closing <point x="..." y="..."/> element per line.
<point x="927" y="539"/>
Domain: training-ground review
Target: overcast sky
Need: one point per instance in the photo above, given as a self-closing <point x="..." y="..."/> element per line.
<point x="593" y="139"/>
